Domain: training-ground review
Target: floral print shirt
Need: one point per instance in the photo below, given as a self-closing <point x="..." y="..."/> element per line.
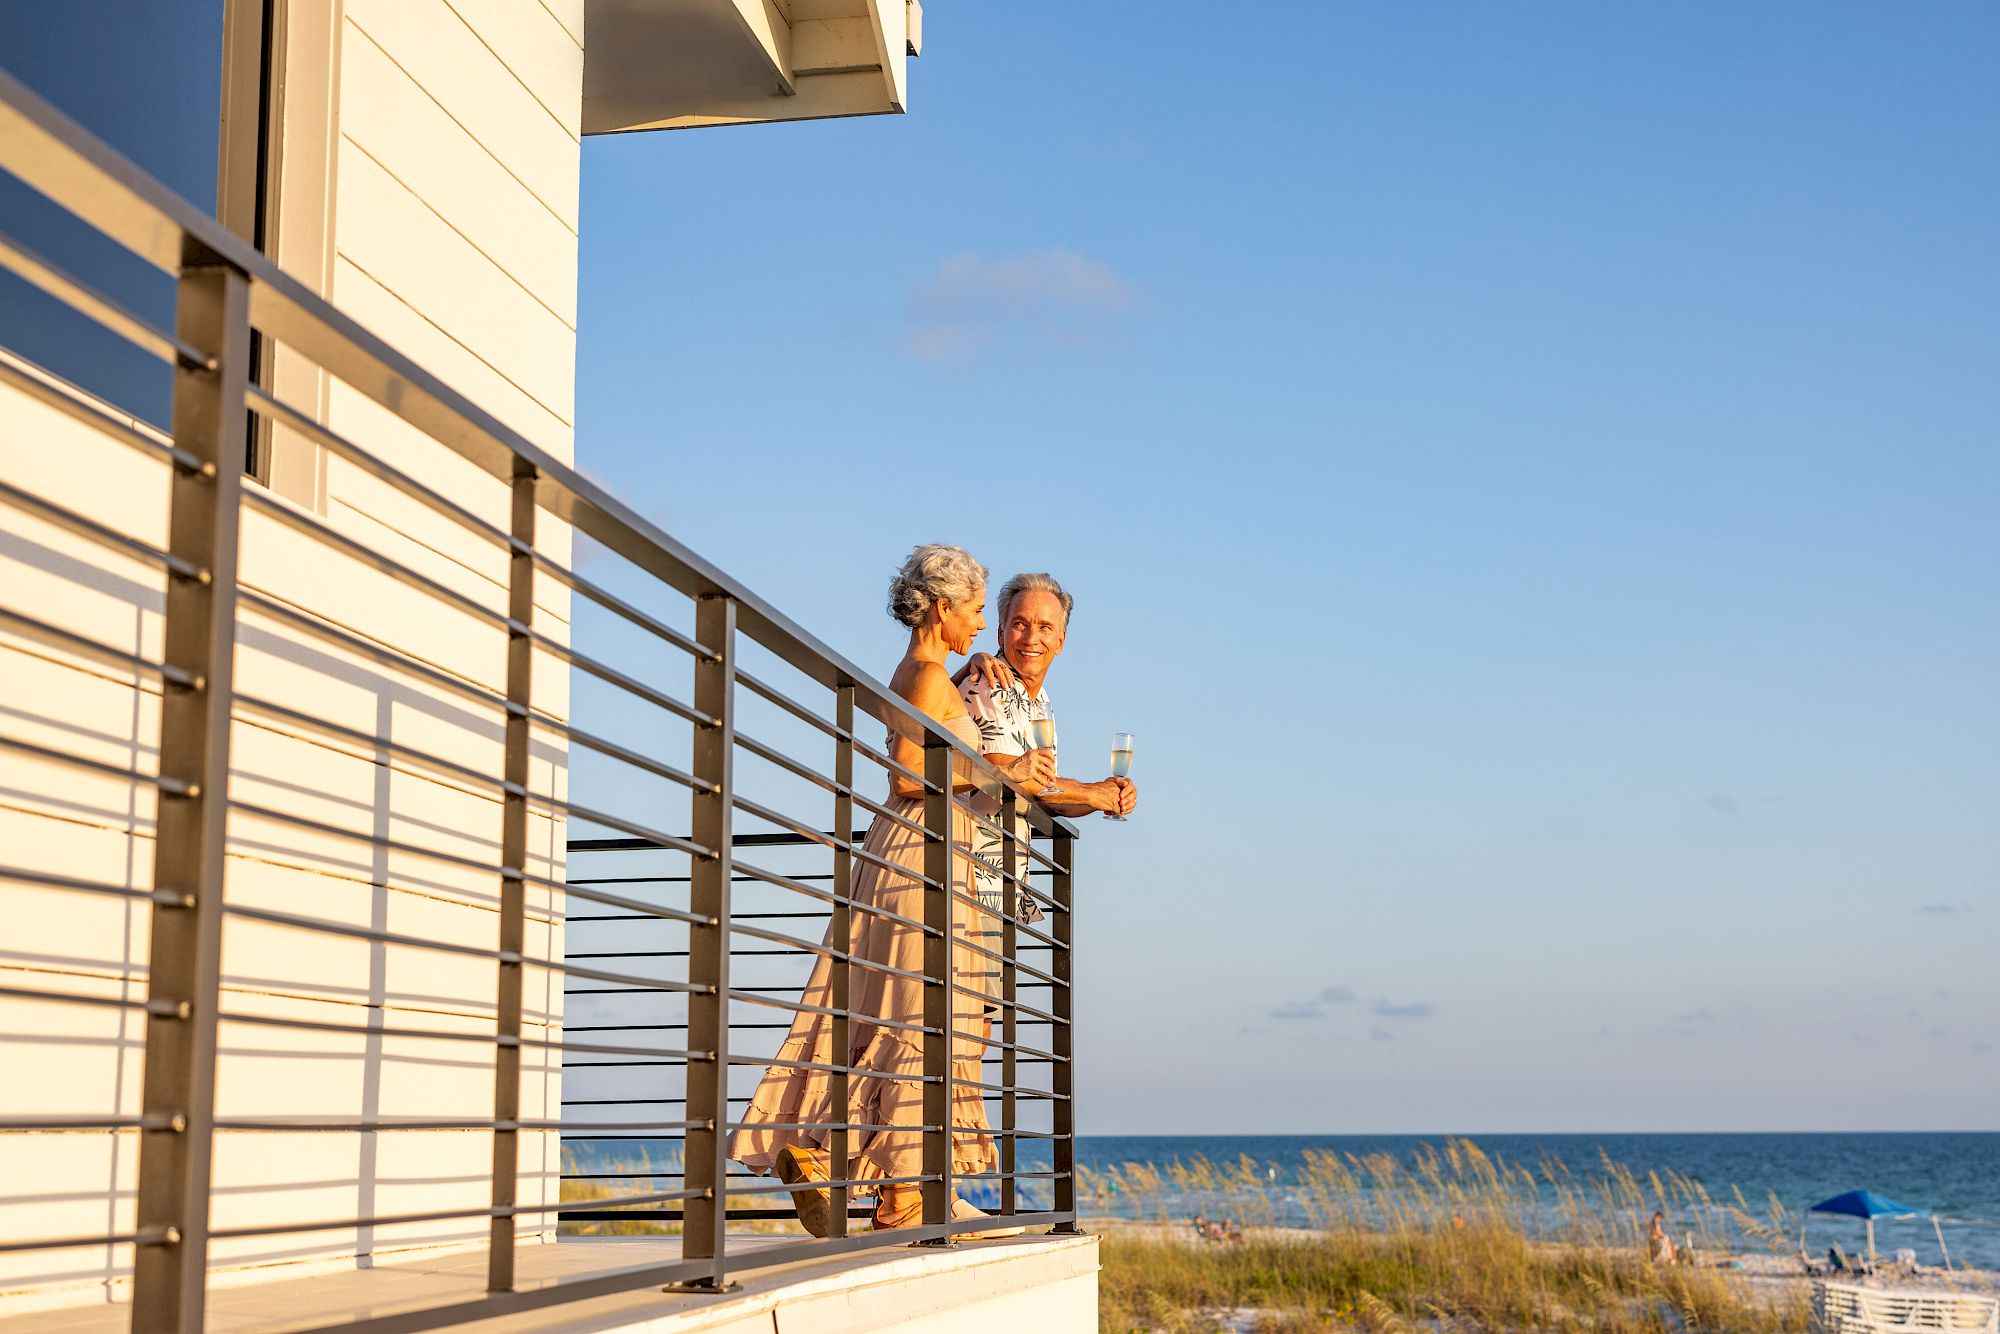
<point x="1003" y="717"/>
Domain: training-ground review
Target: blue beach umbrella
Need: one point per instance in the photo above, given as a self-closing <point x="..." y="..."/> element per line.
<point x="1866" y="1204"/>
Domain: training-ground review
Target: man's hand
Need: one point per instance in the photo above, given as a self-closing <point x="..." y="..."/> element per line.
<point x="990" y="671"/>
<point x="1124" y="795"/>
<point x="1033" y="771"/>
<point x="1113" y="796"/>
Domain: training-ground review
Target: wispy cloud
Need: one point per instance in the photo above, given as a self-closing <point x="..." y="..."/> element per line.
<point x="1942" y="909"/>
<point x="1401" y="1010"/>
<point x="1381" y="1035"/>
<point x="1055" y="298"/>
<point x="1722" y="803"/>
<point x="1316" y="1007"/>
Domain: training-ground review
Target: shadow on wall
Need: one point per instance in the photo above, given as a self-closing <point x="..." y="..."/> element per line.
<point x="87" y="1060"/>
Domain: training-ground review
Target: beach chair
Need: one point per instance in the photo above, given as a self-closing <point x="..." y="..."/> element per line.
<point x="1842" y="1265"/>
<point x="1848" y="1308"/>
<point x="1812" y="1267"/>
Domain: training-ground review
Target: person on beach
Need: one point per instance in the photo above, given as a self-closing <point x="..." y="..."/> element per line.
<point x="1005" y="695"/>
<point x="940" y="594"/>
<point x="1659" y="1246"/>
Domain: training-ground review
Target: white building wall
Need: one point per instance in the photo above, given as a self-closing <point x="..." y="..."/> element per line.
<point x="441" y="213"/>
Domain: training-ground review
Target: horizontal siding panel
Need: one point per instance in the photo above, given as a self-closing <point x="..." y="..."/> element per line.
<point x="530" y="41"/>
<point x="83" y="1186"/>
<point x="63" y="1058"/>
<point x="406" y="530"/>
<point x="57" y="458"/>
<point x="298" y="570"/>
<point x="384" y="313"/>
<point x="450" y="63"/>
<point x="389" y="232"/>
<point x="378" y="606"/>
<point x="76" y="711"/>
<point x="407" y="1172"/>
<point x="569" y="13"/>
<point x="347" y="689"/>
<point x="413" y="139"/>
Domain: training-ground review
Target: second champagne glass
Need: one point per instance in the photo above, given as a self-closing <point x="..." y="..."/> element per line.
<point x="1121" y="761"/>
<point x="1042" y="731"/>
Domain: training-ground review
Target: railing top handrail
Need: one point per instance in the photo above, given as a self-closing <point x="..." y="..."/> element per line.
<point x="45" y="149"/>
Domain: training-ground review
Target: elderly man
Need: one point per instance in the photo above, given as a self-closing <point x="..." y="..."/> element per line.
<point x="1034" y="618"/>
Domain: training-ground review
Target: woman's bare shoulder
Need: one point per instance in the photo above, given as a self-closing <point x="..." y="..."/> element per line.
<point x="928" y="686"/>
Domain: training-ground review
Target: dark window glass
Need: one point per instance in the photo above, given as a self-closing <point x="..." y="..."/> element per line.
<point x="146" y="77"/>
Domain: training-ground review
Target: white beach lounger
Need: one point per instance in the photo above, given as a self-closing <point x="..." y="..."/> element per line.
<point x="1849" y="1308"/>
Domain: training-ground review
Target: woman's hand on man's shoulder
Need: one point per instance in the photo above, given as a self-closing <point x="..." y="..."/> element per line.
<point x="990" y="671"/>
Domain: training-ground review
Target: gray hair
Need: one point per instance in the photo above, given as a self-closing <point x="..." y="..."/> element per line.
<point x="1033" y="583"/>
<point x="934" y="573"/>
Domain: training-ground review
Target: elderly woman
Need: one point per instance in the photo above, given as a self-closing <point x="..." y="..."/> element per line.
<point x="940" y="594"/>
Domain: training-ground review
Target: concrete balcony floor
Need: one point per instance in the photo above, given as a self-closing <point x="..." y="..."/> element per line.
<point x="1044" y="1283"/>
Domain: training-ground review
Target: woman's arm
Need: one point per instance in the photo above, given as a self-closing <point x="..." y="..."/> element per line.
<point x="932" y="691"/>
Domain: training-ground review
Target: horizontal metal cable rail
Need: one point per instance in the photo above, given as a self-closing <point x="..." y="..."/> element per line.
<point x="723" y="865"/>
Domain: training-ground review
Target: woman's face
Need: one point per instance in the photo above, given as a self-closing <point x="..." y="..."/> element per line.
<point x="962" y="621"/>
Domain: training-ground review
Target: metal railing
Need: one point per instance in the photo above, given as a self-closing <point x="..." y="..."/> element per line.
<point x="671" y="1005"/>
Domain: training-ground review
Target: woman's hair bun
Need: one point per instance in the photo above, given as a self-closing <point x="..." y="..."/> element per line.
<point x="934" y="573"/>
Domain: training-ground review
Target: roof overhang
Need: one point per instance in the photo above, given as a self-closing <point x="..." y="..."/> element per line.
<point x="674" y="64"/>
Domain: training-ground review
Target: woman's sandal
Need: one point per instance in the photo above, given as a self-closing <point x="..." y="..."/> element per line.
<point x="909" y="1217"/>
<point x="798" y="1168"/>
<point x="961" y="1212"/>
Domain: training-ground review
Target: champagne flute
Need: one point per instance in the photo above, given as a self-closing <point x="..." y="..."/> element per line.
<point x="1042" y="731"/>
<point x="1121" y="761"/>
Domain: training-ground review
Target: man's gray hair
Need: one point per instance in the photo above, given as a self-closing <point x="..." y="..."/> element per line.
<point x="934" y="573"/>
<point x="1030" y="583"/>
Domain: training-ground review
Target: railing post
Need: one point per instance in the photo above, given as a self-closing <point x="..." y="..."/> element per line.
<point x="1062" y="1072"/>
<point x="841" y="934"/>
<point x="184" y="977"/>
<point x="939" y="1002"/>
<point x="1013" y="865"/>
<point x="707" y="1146"/>
<point x="513" y="892"/>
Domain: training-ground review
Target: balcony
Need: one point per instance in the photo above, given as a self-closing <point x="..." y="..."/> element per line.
<point x="400" y="910"/>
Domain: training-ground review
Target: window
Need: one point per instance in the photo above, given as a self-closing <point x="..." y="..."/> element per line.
<point x="209" y="96"/>
<point x="146" y="77"/>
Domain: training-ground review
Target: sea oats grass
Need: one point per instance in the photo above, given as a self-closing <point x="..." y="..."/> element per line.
<point x="1450" y="1239"/>
<point x="1482" y="1279"/>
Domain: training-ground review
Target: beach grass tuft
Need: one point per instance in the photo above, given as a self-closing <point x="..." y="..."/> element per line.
<point x="1452" y="1239"/>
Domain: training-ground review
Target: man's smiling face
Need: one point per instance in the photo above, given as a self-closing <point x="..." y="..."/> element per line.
<point x="1033" y="633"/>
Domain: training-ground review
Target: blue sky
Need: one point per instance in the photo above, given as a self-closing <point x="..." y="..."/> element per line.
<point x="1528" y="477"/>
<point x="1527" y="472"/>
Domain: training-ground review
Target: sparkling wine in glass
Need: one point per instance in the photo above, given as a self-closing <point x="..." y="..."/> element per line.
<point x="1121" y="760"/>
<point x="1042" y="731"/>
